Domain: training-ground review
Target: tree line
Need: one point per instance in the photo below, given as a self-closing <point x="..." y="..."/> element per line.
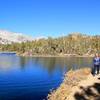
<point x="75" y="43"/>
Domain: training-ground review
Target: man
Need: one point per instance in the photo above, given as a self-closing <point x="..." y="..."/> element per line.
<point x="96" y="62"/>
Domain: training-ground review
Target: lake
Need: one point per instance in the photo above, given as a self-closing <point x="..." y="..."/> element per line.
<point x="32" y="78"/>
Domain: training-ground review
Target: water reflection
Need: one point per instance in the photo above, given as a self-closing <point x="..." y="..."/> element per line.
<point x="6" y="62"/>
<point x="51" y="63"/>
<point x="31" y="78"/>
<point x="23" y="62"/>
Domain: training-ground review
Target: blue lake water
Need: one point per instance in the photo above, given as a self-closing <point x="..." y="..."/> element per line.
<point x="32" y="78"/>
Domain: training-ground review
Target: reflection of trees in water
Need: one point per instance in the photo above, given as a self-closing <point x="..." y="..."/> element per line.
<point x="36" y="60"/>
<point x="23" y="62"/>
<point x="84" y="62"/>
<point x="6" y="62"/>
<point x="59" y="63"/>
<point x="48" y="63"/>
<point x="51" y="63"/>
<point x="80" y="62"/>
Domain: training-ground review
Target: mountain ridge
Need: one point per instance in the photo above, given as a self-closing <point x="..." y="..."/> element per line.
<point x="7" y="37"/>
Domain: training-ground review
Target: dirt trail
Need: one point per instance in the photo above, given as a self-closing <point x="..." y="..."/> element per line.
<point x="88" y="89"/>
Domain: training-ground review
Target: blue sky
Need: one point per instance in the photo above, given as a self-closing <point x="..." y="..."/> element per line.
<point x="50" y="17"/>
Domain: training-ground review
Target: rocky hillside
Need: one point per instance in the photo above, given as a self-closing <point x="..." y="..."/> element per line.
<point x="7" y="37"/>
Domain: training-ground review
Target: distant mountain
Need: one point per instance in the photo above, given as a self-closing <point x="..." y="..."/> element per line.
<point x="7" y="37"/>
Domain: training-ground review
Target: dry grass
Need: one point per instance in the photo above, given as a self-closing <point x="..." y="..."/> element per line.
<point x="71" y="79"/>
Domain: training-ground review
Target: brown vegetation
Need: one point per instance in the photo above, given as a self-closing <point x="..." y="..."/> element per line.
<point x="72" y="78"/>
<point x="73" y="44"/>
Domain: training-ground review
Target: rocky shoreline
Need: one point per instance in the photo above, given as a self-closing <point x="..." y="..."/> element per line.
<point x="58" y="55"/>
<point x="71" y="79"/>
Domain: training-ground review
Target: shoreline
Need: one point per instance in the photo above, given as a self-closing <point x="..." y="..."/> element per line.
<point x="71" y="80"/>
<point x="56" y="56"/>
<point x="48" y="55"/>
<point x="25" y="55"/>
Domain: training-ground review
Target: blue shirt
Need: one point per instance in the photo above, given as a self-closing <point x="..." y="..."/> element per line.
<point x="96" y="61"/>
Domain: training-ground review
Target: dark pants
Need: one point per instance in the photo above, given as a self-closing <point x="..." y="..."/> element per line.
<point x="96" y="68"/>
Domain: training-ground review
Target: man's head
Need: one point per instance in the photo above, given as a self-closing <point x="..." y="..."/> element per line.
<point x="96" y="55"/>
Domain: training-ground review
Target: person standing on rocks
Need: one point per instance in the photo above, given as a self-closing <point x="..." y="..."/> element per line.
<point x="96" y="62"/>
